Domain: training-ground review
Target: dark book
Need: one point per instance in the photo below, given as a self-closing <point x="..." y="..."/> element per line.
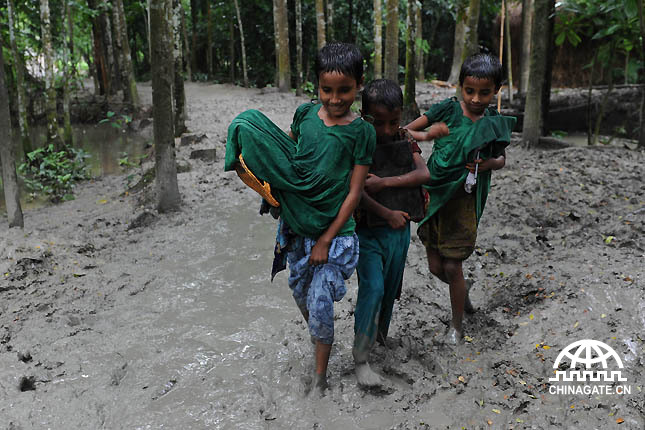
<point x="393" y="159"/>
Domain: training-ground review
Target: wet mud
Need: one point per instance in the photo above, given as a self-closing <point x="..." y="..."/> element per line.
<point x="113" y="316"/>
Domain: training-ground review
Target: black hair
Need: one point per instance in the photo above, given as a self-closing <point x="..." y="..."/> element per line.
<point x="382" y="92"/>
<point x="482" y="66"/>
<point x="340" y="57"/>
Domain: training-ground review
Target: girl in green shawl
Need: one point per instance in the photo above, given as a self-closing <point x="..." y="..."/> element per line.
<point x="470" y="142"/>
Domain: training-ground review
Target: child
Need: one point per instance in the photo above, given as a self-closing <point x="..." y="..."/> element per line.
<point x="317" y="173"/>
<point x="470" y="138"/>
<point x="383" y="249"/>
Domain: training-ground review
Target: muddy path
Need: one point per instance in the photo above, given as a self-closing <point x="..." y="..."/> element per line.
<point x="113" y="316"/>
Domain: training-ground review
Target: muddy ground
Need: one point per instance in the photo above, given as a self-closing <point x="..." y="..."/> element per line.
<point x="113" y="316"/>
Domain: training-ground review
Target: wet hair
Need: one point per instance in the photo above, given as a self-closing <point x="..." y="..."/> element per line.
<point x="344" y="58"/>
<point x="482" y="66"/>
<point x="382" y="92"/>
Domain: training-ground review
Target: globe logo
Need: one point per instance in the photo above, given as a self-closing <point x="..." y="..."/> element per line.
<point x="588" y="352"/>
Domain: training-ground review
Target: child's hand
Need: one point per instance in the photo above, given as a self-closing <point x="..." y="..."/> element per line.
<point x="373" y="184"/>
<point x="484" y="165"/>
<point x="319" y="252"/>
<point x="438" y="130"/>
<point x="398" y="219"/>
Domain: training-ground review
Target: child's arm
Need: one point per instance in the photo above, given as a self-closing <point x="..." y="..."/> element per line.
<point x="420" y="175"/>
<point x="490" y="164"/>
<point x="396" y="219"/>
<point x="320" y="250"/>
<point x="436" y="131"/>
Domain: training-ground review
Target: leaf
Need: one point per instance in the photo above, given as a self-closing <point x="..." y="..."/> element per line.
<point x="546" y="347"/>
<point x="110" y="114"/>
<point x="462" y="379"/>
<point x="468" y="339"/>
<point x="619" y="420"/>
<point x="102" y="202"/>
<point x="497" y="411"/>
<point x="531" y="317"/>
<point x="609" y="239"/>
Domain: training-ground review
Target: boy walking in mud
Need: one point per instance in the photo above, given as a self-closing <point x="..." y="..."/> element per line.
<point x="316" y="176"/>
<point x="470" y="142"/>
<point x="384" y="232"/>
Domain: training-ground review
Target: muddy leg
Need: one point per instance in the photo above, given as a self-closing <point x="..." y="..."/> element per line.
<point x="319" y="384"/>
<point x="457" y="284"/>
<point x="436" y="264"/>
<point x="468" y="306"/>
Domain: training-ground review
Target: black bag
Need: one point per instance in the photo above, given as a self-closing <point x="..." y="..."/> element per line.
<point x="393" y="159"/>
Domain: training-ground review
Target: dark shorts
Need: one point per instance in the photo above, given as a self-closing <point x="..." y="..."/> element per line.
<point x="452" y="230"/>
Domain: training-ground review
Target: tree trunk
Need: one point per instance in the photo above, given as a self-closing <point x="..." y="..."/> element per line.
<point x="605" y="99"/>
<point x="509" y="58"/>
<point x="130" y="93"/>
<point x="410" y="108"/>
<point x="298" y="47"/>
<point x="392" y="40"/>
<point x="350" y="21"/>
<point x="378" y="40"/>
<point x="162" y="78"/>
<point x="532" y="127"/>
<point x="239" y="24"/>
<point x="548" y="72"/>
<point x="418" y="60"/>
<point x="186" y="53"/>
<point x="284" y="72"/>
<point x="100" y="57"/>
<point x="68" y="136"/>
<point x="19" y="67"/>
<point x="113" y="53"/>
<point x="641" y="137"/>
<point x="178" y="87"/>
<point x="231" y="50"/>
<point x="525" y="57"/>
<point x="193" y="52"/>
<point x="471" y="45"/>
<point x="209" y="41"/>
<point x="330" y="20"/>
<point x="589" y="99"/>
<point x="50" y="91"/>
<point x="460" y="40"/>
<point x="320" y="23"/>
<point x="7" y="157"/>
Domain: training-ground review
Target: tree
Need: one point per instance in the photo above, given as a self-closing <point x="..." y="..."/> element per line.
<point x="460" y="40"/>
<point x="19" y="68"/>
<point x="130" y="93"/>
<point x="330" y="20"/>
<point x="378" y="40"/>
<point x="525" y="57"/>
<point x="533" y="119"/>
<point x="509" y="58"/>
<point x="239" y="23"/>
<point x="284" y="71"/>
<point x="299" y="80"/>
<point x="50" y="91"/>
<point x="320" y="23"/>
<point x="209" y="40"/>
<point x="471" y="45"/>
<point x="178" y="87"/>
<point x="9" y="178"/>
<point x="418" y="57"/>
<point x="168" y="197"/>
<point x="68" y="136"/>
<point x="641" y="20"/>
<point x="392" y="40"/>
<point x="410" y="108"/>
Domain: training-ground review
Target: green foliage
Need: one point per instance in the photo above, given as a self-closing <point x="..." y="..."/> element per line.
<point x="119" y="121"/>
<point x="53" y="173"/>
<point x="309" y="89"/>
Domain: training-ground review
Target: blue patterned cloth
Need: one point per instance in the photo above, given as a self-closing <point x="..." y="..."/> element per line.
<point x="316" y="288"/>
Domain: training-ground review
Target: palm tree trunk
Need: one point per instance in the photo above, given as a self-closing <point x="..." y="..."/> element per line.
<point x="525" y="57"/>
<point x="410" y="108"/>
<point x="320" y="23"/>
<point x="68" y="136"/>
<point x="298" y="47"/>
<point x="418" y="43"/>
<point x="178" y="88"/>
<point x="509" y="58"/>
<point x="472" y="24"/>
<point x="284" y="72"/>
<point x="130" y="93"/>
<point x="50" y="91"/>
<point x="460" y="40"/>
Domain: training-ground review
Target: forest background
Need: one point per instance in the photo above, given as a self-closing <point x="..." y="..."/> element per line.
<point x="50" y="48"/>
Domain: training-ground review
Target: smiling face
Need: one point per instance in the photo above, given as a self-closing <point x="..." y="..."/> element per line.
<point x="337" y="92"/>
<point x="477" y="94"/>
<point x="386" y="122"/>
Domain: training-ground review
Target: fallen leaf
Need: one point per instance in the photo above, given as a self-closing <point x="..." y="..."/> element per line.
<point x="576" y="324"/>
<point x="603" y="315"/>
<point x="531" y="317"/>
<point x="628" y="279"/>
<point x="608" y="239"/>
<point x="468" y="339"/>
<point x="619" y="420"/>
<point x="490" y="423"/>
<point x="102" y="202"/>
<point x="497" y="411"/>
<point x="546" y="347"/>
<point x="462" y="379"/>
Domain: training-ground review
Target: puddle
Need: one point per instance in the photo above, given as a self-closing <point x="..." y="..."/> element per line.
<point x="106" y="146"/>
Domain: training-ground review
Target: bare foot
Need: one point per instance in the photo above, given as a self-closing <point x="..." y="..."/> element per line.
<point x="319" y="385"/>
<point x="454" y="337"/>
<point x="366" y="377"/>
